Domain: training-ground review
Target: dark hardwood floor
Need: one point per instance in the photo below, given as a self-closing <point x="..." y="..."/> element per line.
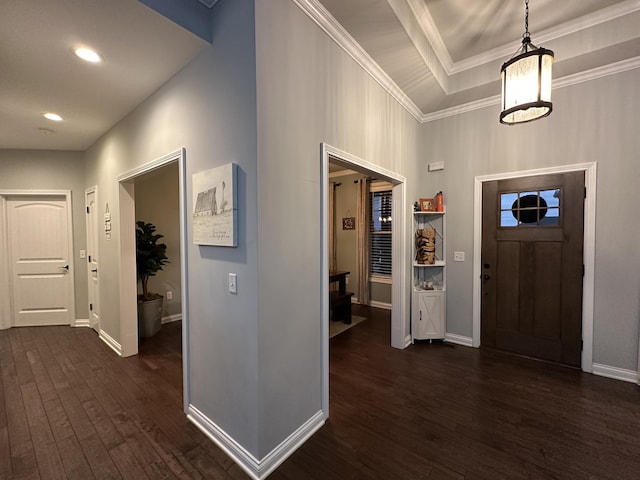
<point x="70" y="408"/>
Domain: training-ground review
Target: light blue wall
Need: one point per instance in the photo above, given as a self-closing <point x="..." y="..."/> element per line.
<point x="210" y="109"/>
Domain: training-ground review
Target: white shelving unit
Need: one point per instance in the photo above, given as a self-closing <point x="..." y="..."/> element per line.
<point x="428" y="305"/>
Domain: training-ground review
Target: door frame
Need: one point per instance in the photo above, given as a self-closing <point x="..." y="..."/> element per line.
<point x="6" y="290"/>
<point x="588" y="284"/>
<point x="399" y="296"/>
<point x="128" y="277"/>
<point x="96" y="249"/>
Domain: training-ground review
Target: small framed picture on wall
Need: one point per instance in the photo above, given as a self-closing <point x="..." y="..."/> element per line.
<point x="427" y="205"/>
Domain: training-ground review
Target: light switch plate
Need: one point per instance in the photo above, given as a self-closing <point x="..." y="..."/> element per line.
<point x="458" y="256"/>
<point x="233" y="283"/>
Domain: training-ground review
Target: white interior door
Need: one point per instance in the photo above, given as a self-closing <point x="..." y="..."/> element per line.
<point x="39" y="231"/>
<point x="92" y="258"/>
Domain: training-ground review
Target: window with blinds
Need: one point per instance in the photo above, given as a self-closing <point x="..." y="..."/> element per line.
<point x="380" y="233"/>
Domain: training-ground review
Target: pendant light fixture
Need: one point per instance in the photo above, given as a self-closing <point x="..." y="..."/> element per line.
<point x="526" y="81"/>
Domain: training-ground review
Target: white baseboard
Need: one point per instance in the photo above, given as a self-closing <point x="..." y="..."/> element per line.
<point x="615" y="373"/>
<point x="256" y="469"/>
<point x="81" y="322"/>
<point x="172" y="318"/>
<point x="407" y="341"/>
<point x="115" y="346"/>
<point x="375" y="303"/>
<point x="458" y="339"/>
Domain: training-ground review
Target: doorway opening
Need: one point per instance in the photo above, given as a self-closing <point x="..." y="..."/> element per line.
<point x="147" y="174"/>
<point x="588" y="240"/>
<point x="399" y="297"/>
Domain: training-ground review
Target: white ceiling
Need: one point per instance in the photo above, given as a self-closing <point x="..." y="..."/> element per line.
<point x="433" y="55"/>
<point x="40" y="73"/>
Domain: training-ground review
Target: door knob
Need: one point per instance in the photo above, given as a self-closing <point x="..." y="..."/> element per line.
<point x="487" y="277"/>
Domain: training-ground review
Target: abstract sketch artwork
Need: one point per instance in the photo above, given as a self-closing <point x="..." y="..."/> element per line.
<point x="215" y="206"/>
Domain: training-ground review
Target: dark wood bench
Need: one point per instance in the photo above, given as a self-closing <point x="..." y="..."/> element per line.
<point x="340" y="306"/>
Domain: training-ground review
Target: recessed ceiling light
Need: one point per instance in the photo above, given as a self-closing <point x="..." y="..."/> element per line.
<point x="52" y="116"/>
<point x="88" y="55"/>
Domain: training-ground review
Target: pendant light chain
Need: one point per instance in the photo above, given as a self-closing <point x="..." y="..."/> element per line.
<point x="526" y="36"/>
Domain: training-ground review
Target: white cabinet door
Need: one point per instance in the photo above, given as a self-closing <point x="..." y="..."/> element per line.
<point x="428" y="315"/>
<point x="39" y="242"/>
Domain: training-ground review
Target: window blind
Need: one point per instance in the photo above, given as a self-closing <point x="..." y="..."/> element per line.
<point x="380" y="233"/>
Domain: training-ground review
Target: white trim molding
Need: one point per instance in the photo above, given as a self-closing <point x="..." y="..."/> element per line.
<point x="384" y="305"/>
<point x="257" y="469"/>
<point x="81" y="322"/>
<point x="109" y="340"/>
<point x="321" y="16"/>
<point x="441" y="59"/>
<point x="6" y="307"/>
<point x="615" y="373"/>
<point x="399" y="296"/>
<point x="589" y="251"/>
<point x="458" y="339"/>
<point x="562" y="82"/>
<point x="172" y="318"/>
<point x="128" y="282"/>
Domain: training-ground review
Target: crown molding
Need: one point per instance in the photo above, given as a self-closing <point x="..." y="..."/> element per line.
<point x="562" y="82"/>
<point x="459" y="109"/>
<point x="425" y="43"/>
<point x="587" y="21"/>
<point x="598" y="72"/>
<point x="319" y="14"/>
<point x="316" y="11"/>
<point x="431" y="32"/>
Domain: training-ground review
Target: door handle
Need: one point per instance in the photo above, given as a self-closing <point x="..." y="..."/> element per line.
<point x="66" y="267"/>
<point x="95" y="270"/>
<point x="487" y="277"/>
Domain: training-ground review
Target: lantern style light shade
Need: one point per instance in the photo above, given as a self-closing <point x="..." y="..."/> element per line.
<point x="526" y="86"/>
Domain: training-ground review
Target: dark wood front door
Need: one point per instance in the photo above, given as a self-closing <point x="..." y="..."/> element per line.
<point x="532" y="266"/>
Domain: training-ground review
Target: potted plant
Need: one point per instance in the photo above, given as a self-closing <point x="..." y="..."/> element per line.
<point x="150" y="258"/>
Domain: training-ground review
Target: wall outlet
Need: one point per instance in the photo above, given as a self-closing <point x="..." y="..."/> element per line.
<point x="169" y="295"/>
<point x="458" y="256"/>
<point x="233" y="283"/>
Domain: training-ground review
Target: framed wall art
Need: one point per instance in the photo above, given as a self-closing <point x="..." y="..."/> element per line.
<point x="215" y="206"/>
<point x="427" y="205"/>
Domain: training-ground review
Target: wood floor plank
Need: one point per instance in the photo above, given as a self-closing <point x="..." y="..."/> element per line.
<point x="6" y="471"/>
<point x="127" y="463"/>
<point x="23" y="459"/>
<point x="47" y="455"/>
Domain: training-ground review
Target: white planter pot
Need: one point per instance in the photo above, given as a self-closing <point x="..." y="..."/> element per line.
<point x="149" y="317"/>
